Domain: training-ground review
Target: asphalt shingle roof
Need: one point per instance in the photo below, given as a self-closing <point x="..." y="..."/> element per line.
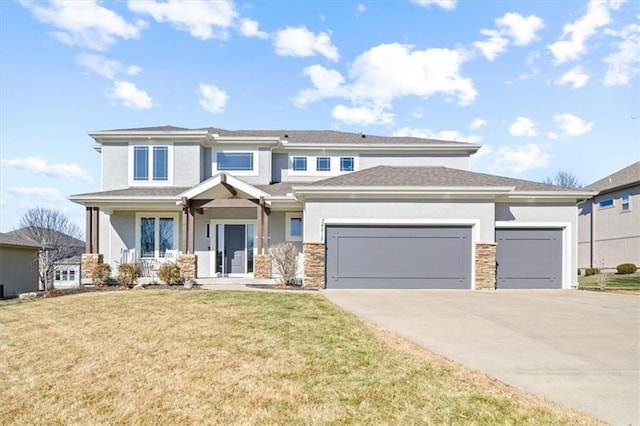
<point x="627" y="176"/>
<point x="138" y="191"/>
<point x="17" y="241"/>
<point x="431" y="176"/>
<point x="307" y="136"/>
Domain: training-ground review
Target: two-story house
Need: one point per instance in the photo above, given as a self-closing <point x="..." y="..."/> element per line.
<point x="364" y="211"/>
<point x="609" y="223"/>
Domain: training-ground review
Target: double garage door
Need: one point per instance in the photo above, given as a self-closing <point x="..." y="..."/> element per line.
<point x="437" y="257"/>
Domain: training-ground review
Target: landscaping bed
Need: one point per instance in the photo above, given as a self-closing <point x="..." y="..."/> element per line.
<point x="618" y="283"/>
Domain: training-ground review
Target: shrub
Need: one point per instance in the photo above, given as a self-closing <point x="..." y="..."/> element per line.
<point x="128" y="274"/>
<point x="626" y="268"/>
<point x="285" y="260"/>
<point x="101" y="274"/>
<point x="169" y="273"/>
<point x="591" y="271"/>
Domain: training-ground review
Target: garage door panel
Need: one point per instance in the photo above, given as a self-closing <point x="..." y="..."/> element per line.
<point x="392" y="257"/>
<point x="529" y="258"/>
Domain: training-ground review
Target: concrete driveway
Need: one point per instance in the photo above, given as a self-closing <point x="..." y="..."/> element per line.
<point x="578" y="348"/>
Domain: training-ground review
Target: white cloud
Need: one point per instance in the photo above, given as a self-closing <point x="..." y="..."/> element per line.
<point x="572" y="125"/>
<point x="212" y="99"/>
<point x="447" y="135"/>
<point x="477" y="123"/>
<point x="573" y="42"/>
<point x="84" y="23"/>
<point x="519" y="159"/>
<point x="390" y="71"/>
<point x="522" y="30"/>
<point x="129" y="95"/>
<point x="105" y="67"/>
<point x="250" y="28"/>
<point x="625" y="62"/>
<point x="39" y="166"/>
<point x="510" y="28"/>
<point x="417" y="113"/>
<point x="50" y="194"/>
<point x="523" y="126"/>
<point x="299" y="41"/>
<point x="204" y="20"/>
<point x="552" y="135"/>
<point x="576" y="77"/>
<point x="445" y="4"/>
<point x="495" y="45"/>
<point x="364" y="116"/>
<point x="360" y="9"/>
<point x="482" y="152"/>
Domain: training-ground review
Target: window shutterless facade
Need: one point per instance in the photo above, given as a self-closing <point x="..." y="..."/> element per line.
<point x="625" y="203"/>
<point x="346" y="164"/>
<point x="299" y="164"/>
<point x="603" y="204"/>
<point x="293" y="226"/>
<point x="323" y="164"/>
<point x="234" y="161"/>
<point x="155" y="234"/>
<point x="150" y="164"/>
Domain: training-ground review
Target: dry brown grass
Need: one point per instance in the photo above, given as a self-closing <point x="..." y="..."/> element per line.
<point x="165" y="357"/>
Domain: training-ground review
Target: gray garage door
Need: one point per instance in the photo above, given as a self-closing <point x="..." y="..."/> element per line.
<point x="398" y="257"/>
<point x="529" y="258"/>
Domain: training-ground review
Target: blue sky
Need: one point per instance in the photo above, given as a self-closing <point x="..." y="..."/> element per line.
<point x="543" y="85"/>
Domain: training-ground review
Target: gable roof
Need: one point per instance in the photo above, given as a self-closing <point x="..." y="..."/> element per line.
<point x="628" y="176"/>
<point x="68" y="240"/>
<point x="13" y="240"/>
<point x="136" y="191"/>
<point x="432" y="176"/>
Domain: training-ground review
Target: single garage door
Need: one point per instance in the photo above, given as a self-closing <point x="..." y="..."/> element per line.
<point x="529" y="258"/>
<point x="398" y="257"/>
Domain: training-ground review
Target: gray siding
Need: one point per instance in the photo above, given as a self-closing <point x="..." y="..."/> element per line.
<point x="616" y="233"/>
<point x="454" y="161"/>
<point x="18" y="270"/>
<point x="279" y="164"/>
<point x="115" y="166"/>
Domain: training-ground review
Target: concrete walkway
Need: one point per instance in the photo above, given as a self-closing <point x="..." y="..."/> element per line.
<point x="578" y="348"/>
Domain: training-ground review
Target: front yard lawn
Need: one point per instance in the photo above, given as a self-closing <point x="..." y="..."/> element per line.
<point x="627" y="283"/>
<point x="225" y="357"/>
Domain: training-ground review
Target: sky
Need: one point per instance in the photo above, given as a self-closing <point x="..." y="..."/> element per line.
<point x="544" y="86"/>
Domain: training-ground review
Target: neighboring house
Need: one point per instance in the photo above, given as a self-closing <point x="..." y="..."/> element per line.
<point x="18" y="265"/>
<point x="364" y="211"/>
<point x="609" y="223"/>
<point x="67" y="271"/>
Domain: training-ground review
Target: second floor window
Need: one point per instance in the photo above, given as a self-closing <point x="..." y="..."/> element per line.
<point x="300" y="164"/>
<point x="624" y="203"/>
<point x="155" y="165"/>
<point x="238" y="161"/>
<point x="346" y="164"/>
<point x="323" y="164"/>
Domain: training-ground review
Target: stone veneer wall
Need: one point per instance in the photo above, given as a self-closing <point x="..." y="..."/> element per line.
<point x="188" y="266"/>
<point x="313" y="265"/>
<point x="486" y="266"/>
<point x="261" y="266"/>
<point x="88" y="261"/>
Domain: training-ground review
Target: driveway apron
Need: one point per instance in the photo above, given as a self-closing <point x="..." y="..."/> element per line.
<point x="578" y="348"/>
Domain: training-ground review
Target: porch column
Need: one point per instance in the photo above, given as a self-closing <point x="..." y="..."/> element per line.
<point x="263" y="227"/>
<point x="191" y="229"/>
<point x="92" y="230"/>
<point x="185" y="222"/>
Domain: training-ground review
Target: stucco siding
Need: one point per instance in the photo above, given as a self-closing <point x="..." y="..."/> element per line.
<point x="115" y="165"/>
<point x="460" y="161"/>
<point x="18" y="270"/>
<point x="478" y="213"/>
<point x="186" y="164"/>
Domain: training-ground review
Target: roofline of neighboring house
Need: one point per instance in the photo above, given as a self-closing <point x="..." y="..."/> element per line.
<point x="617" y="188"/>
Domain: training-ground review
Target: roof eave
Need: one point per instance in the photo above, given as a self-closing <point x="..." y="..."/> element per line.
<point x="398" y="191"/>
<point x="466" y="148"/>
<point x="127" y="135"/>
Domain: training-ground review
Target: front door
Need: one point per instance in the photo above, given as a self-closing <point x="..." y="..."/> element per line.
<point x="234" y="248"/>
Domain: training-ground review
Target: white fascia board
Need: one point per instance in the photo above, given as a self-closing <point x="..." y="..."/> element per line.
<point x="398" y="191"/>
<point x="216" y="180"/>
<point x="285" y="203"/>
<point x="123" y="201"/>
<point x="244" y="140"/>
<point x="548" y="195"/>
<point x="470" y="148"/>
<point x="127" y="135"/>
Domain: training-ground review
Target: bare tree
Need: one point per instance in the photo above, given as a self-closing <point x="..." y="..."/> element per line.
<point x="57" y="236"/>
<point x="565" y="180"/>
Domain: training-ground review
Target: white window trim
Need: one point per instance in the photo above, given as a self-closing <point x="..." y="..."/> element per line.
<point x="613" y="203"/>
<point x="157" y="215"/>
<point x="622" y="210"/>
<point x="312" y="165"/>
<point x="150" y="181"/>
<point x="315" y="163"/>
<point x="293" y="158"/>
<point x="288" y="217"/>
<point x="256" y="162"/>
<point x="340" y="164"/>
